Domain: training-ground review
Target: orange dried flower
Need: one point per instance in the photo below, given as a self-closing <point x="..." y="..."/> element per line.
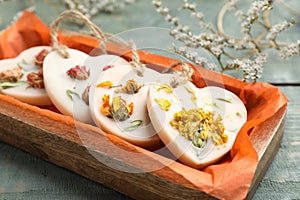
<point x="130" y="108"/>
<point x="105" y="84"/>
<point x="105" y="107"/>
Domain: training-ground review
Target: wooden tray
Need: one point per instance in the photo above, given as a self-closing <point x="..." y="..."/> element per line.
<point x="24" y="126"/>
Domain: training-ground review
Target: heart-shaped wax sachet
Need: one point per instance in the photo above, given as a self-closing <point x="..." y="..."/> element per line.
<point x="22" y="77"/>
<point x="199" y="126"/>
<point x="118" y="105"/>
<point x="67" y="80"/>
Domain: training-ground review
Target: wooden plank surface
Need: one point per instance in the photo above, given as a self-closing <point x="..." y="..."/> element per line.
<point x="282" y="180"/>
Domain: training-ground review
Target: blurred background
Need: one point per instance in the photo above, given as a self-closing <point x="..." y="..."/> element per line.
<point x="119" y="16"/>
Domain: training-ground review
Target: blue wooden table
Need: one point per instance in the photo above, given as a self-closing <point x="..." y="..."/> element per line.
<point x="23" y="176"/>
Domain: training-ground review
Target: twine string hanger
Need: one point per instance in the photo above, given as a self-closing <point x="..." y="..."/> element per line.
<point x="135" y="61"/>
<point x="180" y="76"/>
<point x="62" y="50"/>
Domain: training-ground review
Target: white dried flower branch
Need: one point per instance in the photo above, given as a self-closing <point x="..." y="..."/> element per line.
<point x="91" y="8"/>
<point x="290" y="50"/>
<point x="219" y="44"/>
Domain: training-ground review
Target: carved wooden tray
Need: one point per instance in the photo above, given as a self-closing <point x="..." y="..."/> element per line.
<point x="55" y="138"/>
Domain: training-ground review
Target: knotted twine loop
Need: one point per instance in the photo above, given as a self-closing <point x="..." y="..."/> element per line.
<point x="97" y="32"/>
<point x="74" y="14"/>
<point x="135" y="61"/>
<point x="182" y="75"/>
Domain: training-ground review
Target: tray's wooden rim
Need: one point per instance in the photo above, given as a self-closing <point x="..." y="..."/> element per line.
<point x="42" y="136"/>
<point x="266" y="145"/>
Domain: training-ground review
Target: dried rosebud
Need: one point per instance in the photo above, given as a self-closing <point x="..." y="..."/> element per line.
<point x="85" y="95"/>
<point x="39" y="58"/>
<point x="131" y="87"/>
<point x="11" y="75"/>
<point x="79" y="72"/>
<point x="107" y="67"/>
<point x="35" y="79"/>
<point x="119" y="109"/>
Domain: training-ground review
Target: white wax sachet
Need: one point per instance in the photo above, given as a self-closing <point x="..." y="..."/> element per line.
<point x="65" y="91"/>
<point x="125" y="92"/>
<point x="179" y="126"/>
<point x="26" y="63"/>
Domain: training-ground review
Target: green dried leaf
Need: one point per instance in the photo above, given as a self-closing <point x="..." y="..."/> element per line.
<point x="134" y="125"/>
<point x="198" y="142"/>
<point x="7" y="84"/>
<point x="228" y="100"/>
<point x="70" y="94"/>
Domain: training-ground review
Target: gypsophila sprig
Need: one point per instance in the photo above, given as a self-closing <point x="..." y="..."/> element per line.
<point x="276" y="29"/>
<point x="252" y="69"/>
<point x="225" y="47"/>
<point x="194" y="57"/>
<point x="91" y="8"/>
<point x="290" y="50"/>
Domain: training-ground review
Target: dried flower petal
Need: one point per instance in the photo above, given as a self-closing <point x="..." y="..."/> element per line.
<point x="85" y="95"/>
<point x="105" y="107"/>
<point x="105" y="84"/>
<point x="130" y="108"/>
<point x="163" y="103"/>
<point x="11" y="75"/>
<point x="166" y="87"/>
<point x="107" y="67"/>
<point x="39" y="58"/>
<point x="79" y="72"/>
<point x="35" y="79"/>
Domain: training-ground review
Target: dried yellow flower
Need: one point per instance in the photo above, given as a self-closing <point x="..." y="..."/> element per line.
<point x="166" y="87"/>
<point x="163" y="103"/>
<point x="193" y="94"/>
<point x="199" y="126"/>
